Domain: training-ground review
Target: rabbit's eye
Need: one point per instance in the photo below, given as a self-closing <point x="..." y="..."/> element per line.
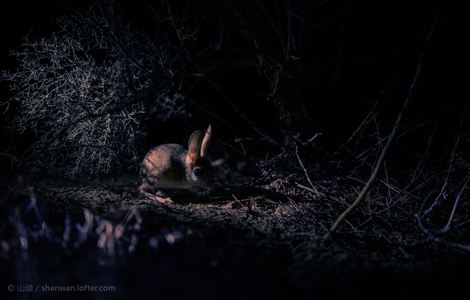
<point x="198" y="172"/>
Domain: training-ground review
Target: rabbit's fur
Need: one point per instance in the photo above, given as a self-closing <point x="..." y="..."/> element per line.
<point x="171" y="167"/>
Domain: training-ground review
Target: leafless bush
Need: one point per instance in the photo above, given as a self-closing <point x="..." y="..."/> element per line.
<point x="80" y="91"/>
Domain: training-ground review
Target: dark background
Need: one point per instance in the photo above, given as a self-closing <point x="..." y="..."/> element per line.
<point x="345" y="54"/>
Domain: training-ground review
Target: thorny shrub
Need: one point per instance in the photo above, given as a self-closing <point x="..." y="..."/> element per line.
<point x="80" y="92"/>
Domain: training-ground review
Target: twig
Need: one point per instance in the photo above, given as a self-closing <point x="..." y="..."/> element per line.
<point x="446" y="181"/>
<point x="390" y="139"/>
<point x="369" y="115"/>
<point x="305" y="171"/>
<point x="12" y="157"/>
<point x="456" y="204"/>
<point x="306" y="188"/>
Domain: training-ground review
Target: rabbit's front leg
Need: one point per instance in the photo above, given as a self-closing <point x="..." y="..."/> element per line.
<point x="149" y="192"/>
<point x="159" y="197"/>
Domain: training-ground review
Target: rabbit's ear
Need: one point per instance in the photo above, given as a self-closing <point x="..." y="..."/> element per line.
<point x="206" y="142"/>
<point x="194" y="146"/>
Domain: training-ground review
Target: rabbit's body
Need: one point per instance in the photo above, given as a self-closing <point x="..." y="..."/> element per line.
<point x="163" y="168"/>
<point x="171" y="167"/>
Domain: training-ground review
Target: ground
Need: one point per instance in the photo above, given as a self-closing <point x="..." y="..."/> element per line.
<point x="260" y="235"/>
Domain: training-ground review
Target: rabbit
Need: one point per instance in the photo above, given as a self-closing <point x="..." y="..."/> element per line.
<point x="171" y="167"/>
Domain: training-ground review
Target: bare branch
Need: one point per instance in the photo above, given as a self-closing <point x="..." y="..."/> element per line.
<point x="379" y="162"/>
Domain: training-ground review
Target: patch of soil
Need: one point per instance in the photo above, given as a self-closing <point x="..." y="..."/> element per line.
<point x="264" y="235"/>
<point x="267" y="236"/>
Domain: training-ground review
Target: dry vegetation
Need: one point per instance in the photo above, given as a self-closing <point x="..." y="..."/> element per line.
<point x="81" y="91"/>
<point x="87" y="92"/>
<point x="277" y="208"/>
